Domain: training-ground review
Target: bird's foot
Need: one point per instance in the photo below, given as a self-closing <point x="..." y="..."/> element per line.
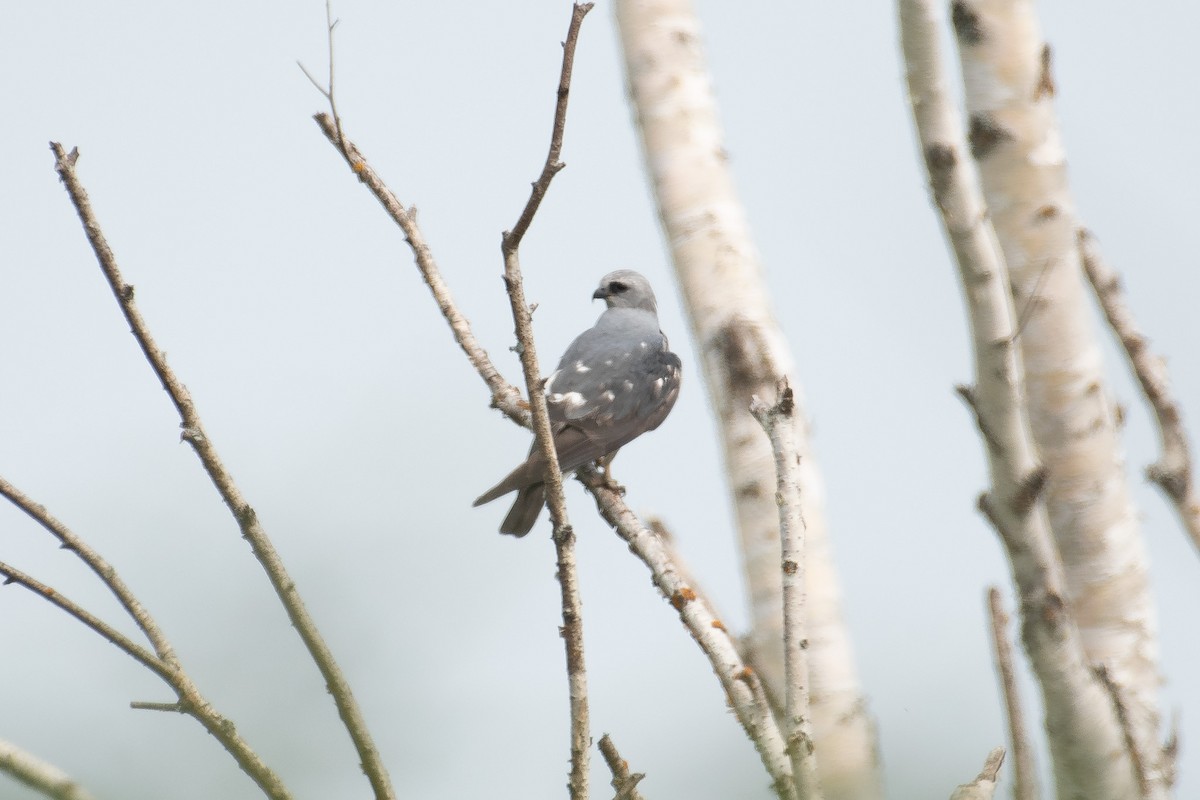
<point x="611" y="484"/>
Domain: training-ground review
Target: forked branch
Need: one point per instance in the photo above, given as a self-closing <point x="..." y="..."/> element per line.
<point x="247" y="520"/>
<point x="564" y="534"/>
<point x="162" y="662"/>
<point x="740" y="682"/>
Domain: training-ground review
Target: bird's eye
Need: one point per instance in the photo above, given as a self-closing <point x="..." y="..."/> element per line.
<point x="616" y="287"/>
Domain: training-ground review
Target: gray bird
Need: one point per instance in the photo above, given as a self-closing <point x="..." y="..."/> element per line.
<point x="616" y="381"/>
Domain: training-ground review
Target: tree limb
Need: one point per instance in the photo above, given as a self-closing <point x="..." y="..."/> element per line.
<point x="742" y="685"/>
<point x="103" y="570"/>
<point x="776" y="422"/>
<point x="39" y="775"/>
<point x="624" y="782"/>
<point x="123" y="643"/>
<point x="1021" y="165"/>
<point x="252" y="531"/>
<point x="505" y="396"/>
<point x="564" y="534"/>
<point x="742" y="352"/>
<point x="1089" y="755"/>
<point x="984" y="785"/>
<point x="1025" y="785"/>
<point x="162" y="663"/>
<point x="1173" y="471"/>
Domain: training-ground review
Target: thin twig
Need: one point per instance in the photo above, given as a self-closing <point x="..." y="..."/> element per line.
<point x="105" y="571"/>
<point x="776" y="421"/>
<point x="123" y="643"/>
<point x="162" y="662"/>
<point x="740" y="682"/>
<point x="148" y="705"/>
<point x="1025" y="785"/>
<point x="194" y="434"/>
<point x="623" y="781"/>
<point x="564" y="534"/>
<point x="505" y="396"/>
<point x="1121" y="707"/>
<point x="1173" y="470"/>
<point x="512" y="239"/>
<point x="39" y="775"/>
<point x="329" y="92"/>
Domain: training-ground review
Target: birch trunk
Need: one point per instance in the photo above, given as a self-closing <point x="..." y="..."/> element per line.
<point x="1015" y="140"/>
<point x="1091" y="757"/>
<point x="743" y="353"/>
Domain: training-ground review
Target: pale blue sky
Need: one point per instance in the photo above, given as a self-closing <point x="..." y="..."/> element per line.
<point x="289" y="304"/>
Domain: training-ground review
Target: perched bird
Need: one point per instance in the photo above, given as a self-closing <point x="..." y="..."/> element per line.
<point x="616" y="381"/>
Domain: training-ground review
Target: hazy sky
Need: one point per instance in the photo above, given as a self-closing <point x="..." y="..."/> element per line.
<point x="289" y="305"/>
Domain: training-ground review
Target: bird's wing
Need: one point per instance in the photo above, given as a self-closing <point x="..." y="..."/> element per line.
<point x="615" y="382"/>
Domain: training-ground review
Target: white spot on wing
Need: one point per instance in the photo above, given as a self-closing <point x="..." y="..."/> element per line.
<point x="608" y="396"/>
<point x="569" y="399"/>
<point x="581" y="367"/>
<point x="643" y="345"/>
<point x="628" y="385"/>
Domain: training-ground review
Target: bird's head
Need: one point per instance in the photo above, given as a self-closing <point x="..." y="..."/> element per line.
<point x="626" y="289"/>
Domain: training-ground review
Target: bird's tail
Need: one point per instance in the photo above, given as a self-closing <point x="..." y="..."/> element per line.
<point x="520" y="477"/>
<point x="525" y="510"/>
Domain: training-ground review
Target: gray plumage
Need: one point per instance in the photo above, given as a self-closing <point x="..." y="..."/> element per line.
<point x="616" y="381"/>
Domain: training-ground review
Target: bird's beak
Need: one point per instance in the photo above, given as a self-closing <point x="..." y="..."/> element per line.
<point x="600" y="294"/>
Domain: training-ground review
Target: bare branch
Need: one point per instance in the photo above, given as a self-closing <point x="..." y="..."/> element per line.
<point x="252" y="531"/>
<point x="512" y="239"/>
<point x="984" y="785"/>
<point x="1025" y="785"/>
<point x="163" y="663"/>
<point x="105" y="571"/>
<point x="776" y="422"/>
<point x="564" y="534"/>
<point x="741" y="684"/>
<point x="623" y="781"/>
<point x="39" y="775"/>
<point x="329" y="91"/>
<point x="1173" y="470"/>
<point x="170" y="708"/>
<point x="505" y="396"/>
<point x="123" y="643"/>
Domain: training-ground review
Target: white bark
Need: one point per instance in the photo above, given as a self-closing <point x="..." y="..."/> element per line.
<point x="743" y="353"/>
<point x="1086" y="740"/>
<point x="1025" y="781"/>
<point x="984" y="785"/>
<point x="1015" y="139"/>
<point x="776" y="421"/>
<point x="742" y="685"/>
